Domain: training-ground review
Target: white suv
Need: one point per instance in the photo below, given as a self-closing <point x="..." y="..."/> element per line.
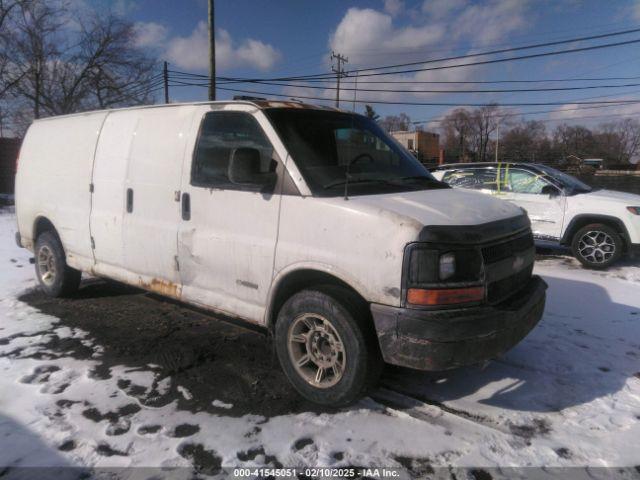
<point x="598" y="225"/>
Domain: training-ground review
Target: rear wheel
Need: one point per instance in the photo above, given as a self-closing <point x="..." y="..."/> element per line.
<point x="597" y="246"/>
<point x="325" y="346"/>
<point x="56" y="278"/>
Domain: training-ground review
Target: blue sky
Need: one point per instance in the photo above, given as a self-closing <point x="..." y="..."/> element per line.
<point x="274" y="38"/>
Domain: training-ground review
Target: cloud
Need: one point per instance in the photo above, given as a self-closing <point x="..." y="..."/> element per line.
<point x="258" y="54"/>
<point x="573" y="111"/>
<point x="362" y="31"/>
<point x="124" y="7"/>
<point x="365" y="35"/>
<point x="492" y="22"/>
<point x="150" y="34"/>
<point x="393" y="7"/>
<point x="438" y="9"/>
<point x="192" y="52"/>
<point x="636" y="10"/>
<point x="441" y="28"/>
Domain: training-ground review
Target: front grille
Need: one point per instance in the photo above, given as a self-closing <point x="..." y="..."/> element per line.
<point x="502" y="289"/>
<point x="500" y="251"/>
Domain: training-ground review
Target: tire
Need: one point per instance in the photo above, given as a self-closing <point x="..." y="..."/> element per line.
<point x="56" y="278"/>
<point x="315" y="323"/>
<point x="597" y="246"/>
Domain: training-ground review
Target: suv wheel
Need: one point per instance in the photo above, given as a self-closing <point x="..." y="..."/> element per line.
<point x="597" y="246"/>
<point x="325" y="348"/>
<point x="56" y="278"/>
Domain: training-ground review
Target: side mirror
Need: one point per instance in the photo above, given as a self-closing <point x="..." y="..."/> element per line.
<point x="244" y="169"/>
<point x="550" y="190"/>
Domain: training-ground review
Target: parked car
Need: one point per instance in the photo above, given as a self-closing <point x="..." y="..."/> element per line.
<point x="598" y="225"/>
<point x="309" y="222"/>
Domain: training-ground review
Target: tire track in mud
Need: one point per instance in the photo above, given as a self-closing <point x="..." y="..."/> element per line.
<point x="437" y="413"/>
<point x="428" y="410"/>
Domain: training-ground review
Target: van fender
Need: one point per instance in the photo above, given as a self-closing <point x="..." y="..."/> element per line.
<point x="330" y="270"/>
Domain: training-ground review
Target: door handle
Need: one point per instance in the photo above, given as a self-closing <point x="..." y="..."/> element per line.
<point x="186" y="206"/>
<point x="129" y="200"/>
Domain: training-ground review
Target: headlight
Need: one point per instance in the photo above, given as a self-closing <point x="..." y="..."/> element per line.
<point x="447" y="265"/>
<point x="437" y="275"/>
<point x="428" y="265"/>
<point x="634" y="210"/>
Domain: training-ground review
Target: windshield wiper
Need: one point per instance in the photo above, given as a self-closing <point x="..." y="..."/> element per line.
<point x="396" y="182"/>
<point x="351" y="181"/>
<point x="432" y="181"/>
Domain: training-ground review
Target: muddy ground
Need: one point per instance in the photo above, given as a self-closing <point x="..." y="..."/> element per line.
<point x="211" y="358"/>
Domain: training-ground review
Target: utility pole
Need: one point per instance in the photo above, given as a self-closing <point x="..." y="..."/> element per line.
<point x="355" y="93"/>
<point x="338" y="69"/>
<point x="165" y="78"/>
<point x="212" y="52"/>
<point x="497" y="139"/>
<point x="36" y="107"/>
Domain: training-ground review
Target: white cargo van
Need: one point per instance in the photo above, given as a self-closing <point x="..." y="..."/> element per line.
<point x="310" y="222"/>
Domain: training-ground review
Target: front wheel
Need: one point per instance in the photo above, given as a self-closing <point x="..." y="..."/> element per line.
<point x="325" y="346"/>
<point x="56" y="278"/>
<point x="597" y="246"/>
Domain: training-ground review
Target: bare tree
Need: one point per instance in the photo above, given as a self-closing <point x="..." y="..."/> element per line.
<point x="67" y="61"/>
<point x="9" y="76"/>
<point x="525" y="141"/>
<point x="396" y="123"/>
<point x="619" y="142"/>
<point x="574" y="140"/>
<point x="484" y="121"/>
<point x="457" y="128"/>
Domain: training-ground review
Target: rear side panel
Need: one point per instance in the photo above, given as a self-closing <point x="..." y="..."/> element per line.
<point x="154" y="172"/>
<point x="54" y="175"/>
<point x="109" y="191"/>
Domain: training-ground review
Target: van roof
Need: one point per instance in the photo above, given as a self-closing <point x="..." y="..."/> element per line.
<point x="260" y="104"/>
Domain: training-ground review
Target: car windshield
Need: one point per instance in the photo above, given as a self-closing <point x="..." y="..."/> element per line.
<point x="333" y="148"/>
<point x="568" y="182"/>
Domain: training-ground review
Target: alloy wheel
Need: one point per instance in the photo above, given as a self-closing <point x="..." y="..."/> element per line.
<point x="46" y="265"/>
<point x="596" y="246"/>
<point x="316" y="350"/>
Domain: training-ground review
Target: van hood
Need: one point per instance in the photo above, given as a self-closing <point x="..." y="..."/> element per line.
<point x="451" y="206"/>
<point x="629" y="199"/>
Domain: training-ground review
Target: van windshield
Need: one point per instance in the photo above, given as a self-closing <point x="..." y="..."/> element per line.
<point x="332" y="148"/>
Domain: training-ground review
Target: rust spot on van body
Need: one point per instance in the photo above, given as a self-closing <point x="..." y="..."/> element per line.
<point x="162" y="287"/>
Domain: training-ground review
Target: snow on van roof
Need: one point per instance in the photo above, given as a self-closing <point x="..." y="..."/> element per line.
<point x="258" y="103"/>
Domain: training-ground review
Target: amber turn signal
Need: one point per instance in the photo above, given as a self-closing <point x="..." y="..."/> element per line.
<point x="447" y="296"/>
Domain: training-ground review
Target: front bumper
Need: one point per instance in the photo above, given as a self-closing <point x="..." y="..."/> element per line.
<point x="444" y="339"/>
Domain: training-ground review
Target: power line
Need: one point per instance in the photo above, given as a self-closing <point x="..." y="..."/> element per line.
<point x="460" y="82"/>
<point x="502" y="90"/>
<point x="440" y="104"/>
<point x="229" y="80"/>
<point x="458" y="65"/>
<point x="536" y="112"/>
<point x="408" y="51"/>
<point x="441" y="119"/>
<point x="502" y="50"/>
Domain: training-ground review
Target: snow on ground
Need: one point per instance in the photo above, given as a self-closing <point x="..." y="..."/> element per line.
<point x="568" y="395"/>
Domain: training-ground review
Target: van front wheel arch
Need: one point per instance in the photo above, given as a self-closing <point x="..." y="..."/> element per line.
<point x="56" y="278"/>
<point x="325" y="346"/>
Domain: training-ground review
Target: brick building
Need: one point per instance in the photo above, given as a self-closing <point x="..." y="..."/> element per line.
<point x="424" y="145"/>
